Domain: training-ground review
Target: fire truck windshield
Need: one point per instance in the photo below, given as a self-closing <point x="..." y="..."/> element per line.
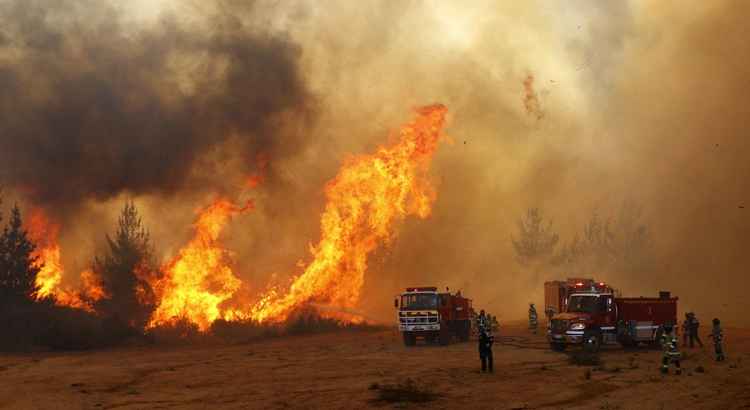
<point x="583" y="303"/>
<point x="417" y="301"/>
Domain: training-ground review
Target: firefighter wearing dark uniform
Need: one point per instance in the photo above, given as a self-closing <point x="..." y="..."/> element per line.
<point x="717" y="337"/>
<point x="671" y="352"/>
<point x="685" y="330"/>
<point x="533" y="319"/>
<point x="485" y="349"/>
<point x="482" y="322"/>
<point x="694" y="324"/>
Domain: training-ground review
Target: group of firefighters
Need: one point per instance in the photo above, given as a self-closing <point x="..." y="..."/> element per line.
<point x="690" y="325"/>
<point x="671" y="352"/>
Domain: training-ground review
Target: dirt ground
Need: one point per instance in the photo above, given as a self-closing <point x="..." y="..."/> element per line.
<point x="353" y="369"/>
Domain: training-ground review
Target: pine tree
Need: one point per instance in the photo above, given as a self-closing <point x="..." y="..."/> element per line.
<point x="124" y="270"/>
<point x="18" y="266"/>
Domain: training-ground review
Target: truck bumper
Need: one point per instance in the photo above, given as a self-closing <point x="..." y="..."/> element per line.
<point x="420" y="328"/>
<point x="569" y="337"/>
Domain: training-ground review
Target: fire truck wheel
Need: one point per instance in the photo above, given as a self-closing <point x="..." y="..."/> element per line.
<point x="592" y="342"/>
<point x="409" y="340"/>
<point x="558" y="347"/>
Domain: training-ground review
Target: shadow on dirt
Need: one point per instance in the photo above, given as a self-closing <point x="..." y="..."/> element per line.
<point x="403" y="391"/>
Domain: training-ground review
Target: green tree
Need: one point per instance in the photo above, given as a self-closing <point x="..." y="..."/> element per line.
<point x="536" y="241"/>
<point x="125" y="269"/>
<point x="18" y="266"/>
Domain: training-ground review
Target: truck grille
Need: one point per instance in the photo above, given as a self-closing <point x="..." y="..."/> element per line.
<point x="559" y="325"/>
<point x="420" y="318"/>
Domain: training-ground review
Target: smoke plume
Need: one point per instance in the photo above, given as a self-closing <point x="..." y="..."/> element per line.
<point x="94" y="104"/>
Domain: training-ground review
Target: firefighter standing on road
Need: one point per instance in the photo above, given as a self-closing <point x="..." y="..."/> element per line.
<point x="717" y="338"/>
<point x="533" y="319"/>
<point x="485" y="349"/>
<point x="671" y="354"/>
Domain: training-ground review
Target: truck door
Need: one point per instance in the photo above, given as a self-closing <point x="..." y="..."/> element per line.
<point x="607" y="309"/>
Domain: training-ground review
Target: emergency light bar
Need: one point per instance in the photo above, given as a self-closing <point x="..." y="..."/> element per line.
<point x="422" y="289"/>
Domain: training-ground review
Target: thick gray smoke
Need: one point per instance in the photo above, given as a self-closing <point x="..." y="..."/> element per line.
<point x="94" y="104"/>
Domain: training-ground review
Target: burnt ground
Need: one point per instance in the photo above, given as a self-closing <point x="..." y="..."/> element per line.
<point x="362" y="369"/>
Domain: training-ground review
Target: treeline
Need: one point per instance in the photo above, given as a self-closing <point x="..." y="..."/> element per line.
<point x="124" y="272"/>
<point x="619" y="243"/>
<point x="28" y="322"/>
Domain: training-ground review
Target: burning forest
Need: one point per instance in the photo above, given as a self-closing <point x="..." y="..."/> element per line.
<point x="367" y="199"/>
<point x="276" y="204"/>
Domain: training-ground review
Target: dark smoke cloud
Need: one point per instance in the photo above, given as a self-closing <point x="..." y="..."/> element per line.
<point x="94" y="104"/>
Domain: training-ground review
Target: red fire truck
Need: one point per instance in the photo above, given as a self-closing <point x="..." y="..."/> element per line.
<point x="435" y="317"/>
<point x="593" y="318"/>
<point x="556" y="293"/>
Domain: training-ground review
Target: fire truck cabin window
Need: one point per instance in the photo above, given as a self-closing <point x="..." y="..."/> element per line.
<point x="420" y="301"/>
<point x="583" y="303"/>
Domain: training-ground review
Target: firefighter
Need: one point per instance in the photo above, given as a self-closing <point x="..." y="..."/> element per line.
<point x="485" y="349"/>
<point x="694" y="324"/>
<point x="671" y="352"/>
<point x="533" y="322"/>
<point x="717" y="338"/>
<point x="482" y="321"/>
<point x="685" y="329"/>
<point x="494" y="324"/>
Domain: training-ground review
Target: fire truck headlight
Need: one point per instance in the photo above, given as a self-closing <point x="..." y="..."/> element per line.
<point x="577" y="326"/>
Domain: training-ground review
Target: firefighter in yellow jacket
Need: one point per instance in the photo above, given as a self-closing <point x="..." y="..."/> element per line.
<point x="533" y="318"/>
<point x="671" y="352"/>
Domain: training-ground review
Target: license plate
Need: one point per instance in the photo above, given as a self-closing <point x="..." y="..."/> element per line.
<point x="557" y="336"/>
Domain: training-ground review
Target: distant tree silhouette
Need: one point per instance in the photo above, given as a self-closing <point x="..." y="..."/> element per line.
<point x="620" y="245"/>
<point x="124" y="270"/>
<point x="18" y="266"/>
<point x="536" y="241"/>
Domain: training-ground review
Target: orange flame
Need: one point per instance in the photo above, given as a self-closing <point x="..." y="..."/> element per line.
<point x="199" y="279"/>
<point x="369" y="194"/>
<point x="44" y="234"/>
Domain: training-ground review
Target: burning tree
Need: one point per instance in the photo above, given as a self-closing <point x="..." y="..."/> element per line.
<point x="125" y="271"/>
<point x="18" y="266"/>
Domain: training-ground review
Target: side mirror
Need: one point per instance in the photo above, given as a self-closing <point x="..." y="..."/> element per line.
<point x="395" y="303"/>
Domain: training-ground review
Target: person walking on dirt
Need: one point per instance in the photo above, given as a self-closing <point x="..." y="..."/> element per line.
<point x="533" y="318"/>
<point x="717" y="337"/>
<point x="671" y="354"/>
<point x="694" y="324"/>
<point x="485" y="350"/>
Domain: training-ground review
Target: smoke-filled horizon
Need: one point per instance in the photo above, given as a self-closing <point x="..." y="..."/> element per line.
<point x="571" y="108"/>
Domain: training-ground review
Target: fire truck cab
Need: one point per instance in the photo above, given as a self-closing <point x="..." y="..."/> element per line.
<point x="425" y="313"/>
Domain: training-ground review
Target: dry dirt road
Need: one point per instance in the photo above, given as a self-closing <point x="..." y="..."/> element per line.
<point x="350" y="370"/>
